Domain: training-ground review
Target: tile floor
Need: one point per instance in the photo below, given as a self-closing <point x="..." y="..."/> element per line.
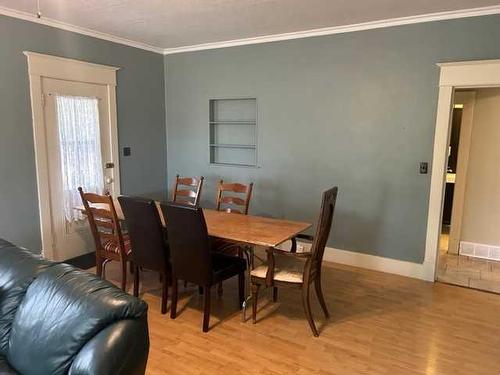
<point x="467" y="271"/>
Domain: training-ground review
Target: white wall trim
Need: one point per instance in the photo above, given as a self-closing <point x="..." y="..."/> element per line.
<point x="376" y="263"/>
<point x="77" y="29"/>
<point x="466" y="74"/>
<point x="430" y="17"/>
<point x="440" y="16"/>
<point x="40" y="66"/>
<point x="373" y="262"/>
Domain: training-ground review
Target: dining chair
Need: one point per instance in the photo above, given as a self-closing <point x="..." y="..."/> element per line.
<point x="233" y="203"/>
<point x="231" y="198"/>
<point x="187" y="190"/>
<point x="192" y="258"/>
<point x="298" y="270"/>
<point x="110" y="242"/>
<point x="149" y="245"/>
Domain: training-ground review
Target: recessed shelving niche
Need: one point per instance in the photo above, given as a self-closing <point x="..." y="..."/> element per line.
<point x="233" y="132"/>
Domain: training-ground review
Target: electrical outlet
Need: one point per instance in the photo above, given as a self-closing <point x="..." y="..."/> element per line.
<point x="300" y="248"/>
<point x="424" y="166"/>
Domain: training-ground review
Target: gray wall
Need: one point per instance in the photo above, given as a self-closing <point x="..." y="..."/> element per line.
<point x="141" y="119"/>
<point x="355" y="110"/>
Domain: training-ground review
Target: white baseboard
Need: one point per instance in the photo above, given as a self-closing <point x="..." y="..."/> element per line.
<point x="376" y="263"/>
<point x="422" y="271"/>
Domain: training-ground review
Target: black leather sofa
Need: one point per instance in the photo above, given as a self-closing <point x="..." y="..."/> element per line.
<point x="57" y="319"/>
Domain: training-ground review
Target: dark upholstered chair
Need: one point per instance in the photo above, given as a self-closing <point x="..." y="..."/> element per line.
<point x="298" y="270"/>
<point x="110" y="242"/>
<point x="192" y="259"/>
<point x="149" y="245"/>
<point x="57" y="319"/>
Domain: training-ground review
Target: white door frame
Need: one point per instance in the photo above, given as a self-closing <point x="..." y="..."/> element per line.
<point x="456" y="75"/>
<point x="46" y="66"/>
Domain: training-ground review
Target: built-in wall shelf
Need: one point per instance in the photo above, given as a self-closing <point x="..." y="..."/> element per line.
<point x="232" y="146"/>
<point x="236" y="122"/>
<point x="233" y="132"/>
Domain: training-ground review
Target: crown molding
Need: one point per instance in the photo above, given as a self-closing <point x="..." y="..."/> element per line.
<point x="431" y="17"/>
<point x="77" y="29"/>
<point x="440" y="16"/>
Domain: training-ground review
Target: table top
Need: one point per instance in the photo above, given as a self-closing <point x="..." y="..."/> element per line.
<point x="254" y="230"/>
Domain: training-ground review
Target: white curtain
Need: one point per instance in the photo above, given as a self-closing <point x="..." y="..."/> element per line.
<point x="80" y="150"/>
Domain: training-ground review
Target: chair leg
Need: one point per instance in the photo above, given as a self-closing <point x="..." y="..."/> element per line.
<point x="319" y="293"/>
<point x="241" y="289"/>
<point x="307" y="309"/>
<point x="124" y="275"/>
<point x="275" y="294"/>
<point x="104" y="264"/>
<point x="255" y="297"/>
<point x="173" y="307"/>
<point x="98" y="266"/>
<point x="200" y="290"/>
<point x="206" y="308"/>
<point x="164" y="294"/>
<point x="136" y="280"/>
<point x="220" y="291"/>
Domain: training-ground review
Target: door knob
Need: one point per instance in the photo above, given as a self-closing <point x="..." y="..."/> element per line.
<point x="109" y="180"/>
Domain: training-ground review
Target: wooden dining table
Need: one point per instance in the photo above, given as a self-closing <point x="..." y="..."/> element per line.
<point x="245" y="229"/>
<point x="248" y="229"/>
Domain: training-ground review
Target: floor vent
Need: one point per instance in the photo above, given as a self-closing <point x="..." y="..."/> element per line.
<point x="478" y="250"/>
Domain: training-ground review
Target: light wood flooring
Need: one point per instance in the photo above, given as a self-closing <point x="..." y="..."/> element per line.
<point x="380" y="324"/>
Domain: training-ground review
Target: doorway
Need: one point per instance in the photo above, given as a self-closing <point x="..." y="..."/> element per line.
<point x="78" y="137"/>
<point x="469" y="246"/>
<point x="76" y="144"/>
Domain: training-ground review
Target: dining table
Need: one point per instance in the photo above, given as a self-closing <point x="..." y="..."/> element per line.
<point x="248" y="230"/>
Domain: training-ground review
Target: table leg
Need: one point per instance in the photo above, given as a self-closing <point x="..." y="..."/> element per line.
<point x="249" y="252"/>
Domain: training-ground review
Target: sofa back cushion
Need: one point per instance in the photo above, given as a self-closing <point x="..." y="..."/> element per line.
<point x="18" y="268"/>
<point x="62" y="310"/>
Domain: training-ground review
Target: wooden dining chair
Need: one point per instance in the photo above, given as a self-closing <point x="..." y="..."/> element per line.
<point x="192" y="258"/>
<point x="149" y="245"/>
<point x="229" y="202"/>
<point x="231" y="198"/>
<point x="187" y="190"/>
<point x="298" y="270"/>
<point x="110" y="242"/>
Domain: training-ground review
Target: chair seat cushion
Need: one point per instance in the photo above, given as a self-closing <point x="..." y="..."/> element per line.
<point x="287" y="269"/>
<point x="226" y="266"/>
<point x="114" y="247"/>
<point x="5" y="368"/>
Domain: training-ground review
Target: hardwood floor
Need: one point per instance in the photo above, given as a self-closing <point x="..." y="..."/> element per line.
<point x="380" y="324"/>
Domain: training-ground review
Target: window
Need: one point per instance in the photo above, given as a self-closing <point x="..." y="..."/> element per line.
<point x="233" y="132"/>
<point x="80" y="150"/>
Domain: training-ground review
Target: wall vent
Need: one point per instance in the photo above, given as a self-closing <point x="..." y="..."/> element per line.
<point x="478" y="250"/>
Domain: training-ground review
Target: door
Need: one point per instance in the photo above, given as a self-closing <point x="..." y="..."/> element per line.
<point x="79" y="144"/>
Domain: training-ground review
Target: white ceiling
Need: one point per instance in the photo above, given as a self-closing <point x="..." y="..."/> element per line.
<point x="169" y="24"/>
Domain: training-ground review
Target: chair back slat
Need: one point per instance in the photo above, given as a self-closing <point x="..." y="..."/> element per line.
<point x="191" y="194"/>
<point x="234" y="203"/>
<point x="313" y="267"/>
<point x="189" y="243"/>
<point x="147" y="236"/>
<point x="103" y="220"/>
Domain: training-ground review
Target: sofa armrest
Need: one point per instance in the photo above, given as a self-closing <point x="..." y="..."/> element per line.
<point x="121" y="348"/>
